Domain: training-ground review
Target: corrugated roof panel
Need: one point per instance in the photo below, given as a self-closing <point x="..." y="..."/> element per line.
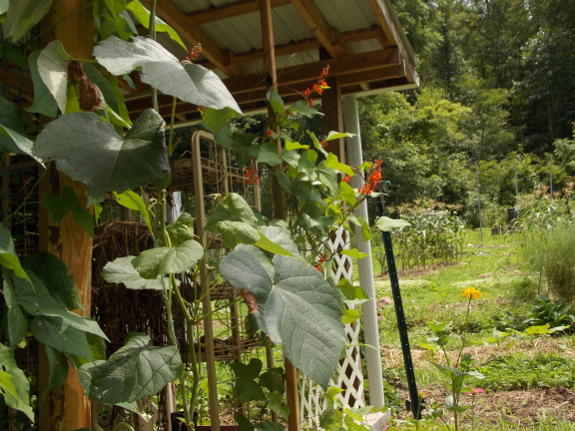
<point x="289" y="26"/>
<point x="188" y="6"/>
<point x="364" y="46"/>
<point x="346" y="15"/>
<point x="236" y="34"/>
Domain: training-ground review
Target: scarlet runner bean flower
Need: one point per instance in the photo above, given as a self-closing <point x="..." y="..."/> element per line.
<point x="252" y="176"/>
<point x="194" y="53"/>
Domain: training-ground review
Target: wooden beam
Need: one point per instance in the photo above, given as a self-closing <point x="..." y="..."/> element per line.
<point x="329" y="37"/>
<point x="68" y="408"/>
<point x="311" y="44"/>
<point x="231" y="10"/>
<point x="392" y="35"/>
<point x="225" y="61"/>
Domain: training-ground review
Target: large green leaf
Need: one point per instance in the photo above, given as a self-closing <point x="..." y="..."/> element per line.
<point x="143" y="15"/>
<point x="53" y="68"/>
<point x="44" y="102"/>
<point x="232" y="208"/>
<point x="22" y="400"/>
<point x="134" y="371"/>
<point x="237" y="232"/>
<point x="387" y="224"/>
<point x="168" y="260"/>
<point x="56" y="332"/>
<point x="22" y="15"/>
<point x="121" y="270"/>
<point x="299" y="308"/>
<point x="8" y="257"/>
<point x="89" y="150"/>
<point x="13" y="138"/>
<point x="57" y="278"/>
<point x="276" y="240"/>
<point x="58" y="207"/>
<point x="17" y="324"/>
<point x="115" y="7"/>
<point x="181" y="230"/>
<point x="6" y="384"/>
<point x="216" y="119"/>
<point x="58" y="370"/>
<point x="189" y="82"/>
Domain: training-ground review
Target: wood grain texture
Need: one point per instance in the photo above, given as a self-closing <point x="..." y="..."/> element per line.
<point x="68" y="408"/>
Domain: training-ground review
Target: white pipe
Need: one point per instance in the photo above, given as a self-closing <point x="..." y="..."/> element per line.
<point x="355" y="158"/>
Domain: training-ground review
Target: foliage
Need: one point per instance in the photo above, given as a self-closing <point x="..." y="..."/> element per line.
<point x="431" y="237"/>
<point x="520" y="371"/>
<point x="546" y="311"/>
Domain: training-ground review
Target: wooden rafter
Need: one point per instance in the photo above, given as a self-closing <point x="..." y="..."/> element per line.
<point x="223" y="60"/>
<point x="327" y="36"/>
<point x="392" y="35"/>
<point x="230" y="10"/>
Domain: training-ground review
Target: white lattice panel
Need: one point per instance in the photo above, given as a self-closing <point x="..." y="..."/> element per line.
<point x="350" y="377"/>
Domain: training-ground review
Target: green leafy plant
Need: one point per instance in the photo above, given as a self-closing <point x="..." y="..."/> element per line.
<point x="547" y="311"/>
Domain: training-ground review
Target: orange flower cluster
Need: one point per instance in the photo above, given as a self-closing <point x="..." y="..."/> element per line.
<point x="372" y="179"/>
<point x="252" y="176"/>
<point x="318" y="87"/>
<point x="322" y="259"/>
<point x="269" y="132"/>
<point x="194" y="53"/>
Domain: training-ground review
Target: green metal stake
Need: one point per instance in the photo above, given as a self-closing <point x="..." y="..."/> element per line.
<point x="413" y="404"/>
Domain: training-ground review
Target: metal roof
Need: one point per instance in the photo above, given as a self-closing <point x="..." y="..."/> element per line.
<point x="368" y="48"/>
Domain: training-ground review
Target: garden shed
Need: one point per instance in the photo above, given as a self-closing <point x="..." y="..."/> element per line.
<point x="252" y="45"/>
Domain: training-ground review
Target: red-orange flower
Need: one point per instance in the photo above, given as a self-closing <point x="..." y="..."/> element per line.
<point x="324" y="72"/>
<point x="307" y="92"/>
<point x="347" y="178"/>
<point x="323" y="84"/>
<point x="252" y="176"/>
<point x="268" y="133"/>
<point x="310" y="102"/>
<point x="318" y="88"/>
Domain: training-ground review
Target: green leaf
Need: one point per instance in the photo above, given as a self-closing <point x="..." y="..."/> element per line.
<point x="350" y="316"/>
<point x="387" y="224"/>
<point x="299" y="308"/>
<point x="276" y="103"/>
<point x="348" y="194"/>
<point x="269" y="154"/>
<point x="22" y="399"/>
<point x="143" y="16"/>
<point x="337" y="135"/>
<point x="56" y="277"/>
<point x="237" y="232"/>
<point x="133" y="201"/>
<point x="354" y="253"/>
<point x="57" y="332"/>
<point x="233" y="207"/>
<point x="167" y="260"/>
<point x="134" y="371"/>
<point x="6" y="385"/>
<point x="249" y="371"/>
<point x="271" y="246"/>
<point x="542" y="329"/>
<point x="13" y="138"/>
<point x="246" y="390"/>
<point x="53" y="68"/>
<point x="243" y="423"/>
<point x="272" y="380"/>
<point x="333" y="162"/>
<point x="22" y="15"/>
<point x="44" y="102"/>
<point x="89" y="150"/>
<point x="189" y="82"/>
<point x="116" y="7"/>
<point x="280" y="236"/>
<point x="290" y="146"/>
<point x="13" y="54"/>
<point x="181" y="230"/>
<point x="216" y="119"/>
<point x="4" y="4"/>
<point x="303" y="108"/>
<point x="8" y="257"/>
<point x="55" y="207"/>
<point x="122" y="271"/>
<point x="17" y="324"/>
<point x="58" y="370"/>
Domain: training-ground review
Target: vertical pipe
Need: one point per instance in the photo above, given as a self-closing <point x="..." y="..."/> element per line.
<point x="365" y="265"/>
<point x="551" y="177"/>
<point x="479" y="204"/>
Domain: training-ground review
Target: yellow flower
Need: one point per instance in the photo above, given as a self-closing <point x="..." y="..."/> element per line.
<point x="471" y="292"/>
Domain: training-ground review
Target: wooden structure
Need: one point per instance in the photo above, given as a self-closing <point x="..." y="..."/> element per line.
<point x="251" y="45"/>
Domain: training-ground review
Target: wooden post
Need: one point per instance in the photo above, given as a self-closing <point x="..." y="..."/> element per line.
<point x="292" y="393"/>
<point x="68" y="408"/>
<point x="331" y="103"/>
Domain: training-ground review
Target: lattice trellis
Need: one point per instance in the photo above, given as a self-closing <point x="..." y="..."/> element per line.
<point x="350" y="376"/>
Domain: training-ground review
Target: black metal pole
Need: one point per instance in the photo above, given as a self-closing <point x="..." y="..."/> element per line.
<point x="401" y="325"/>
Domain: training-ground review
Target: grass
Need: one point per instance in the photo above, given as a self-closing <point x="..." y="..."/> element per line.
<point x="540" y="363"/>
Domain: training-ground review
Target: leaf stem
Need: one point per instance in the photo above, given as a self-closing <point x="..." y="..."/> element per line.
<point x="152" y="28"/>
<point x="172" y="117"/>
